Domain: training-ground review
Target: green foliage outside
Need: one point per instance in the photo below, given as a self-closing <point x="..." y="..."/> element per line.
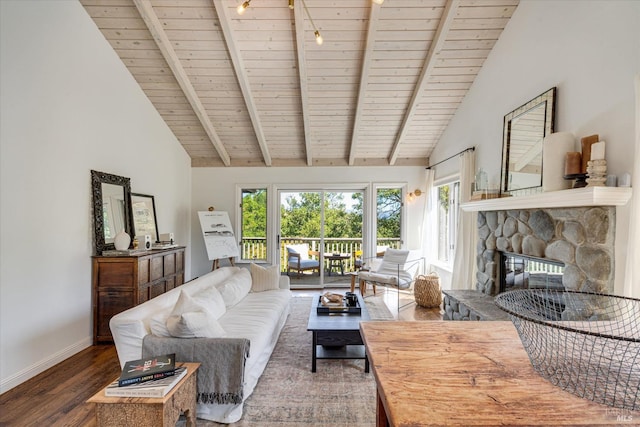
<point x="254" y="213"/>
<point x="389" y="204"/>
<point x="300" y="214"/>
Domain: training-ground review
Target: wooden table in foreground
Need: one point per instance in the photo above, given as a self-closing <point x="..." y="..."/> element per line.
<point x="469" y="373"/>
<point x="150" y="411"/>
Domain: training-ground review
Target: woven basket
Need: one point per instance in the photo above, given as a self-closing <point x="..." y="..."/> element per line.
<point x="427" y="290"/>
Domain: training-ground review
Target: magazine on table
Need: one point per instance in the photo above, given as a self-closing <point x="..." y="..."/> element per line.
<point x="151" y="368"/>
<point x="153" y="388"/>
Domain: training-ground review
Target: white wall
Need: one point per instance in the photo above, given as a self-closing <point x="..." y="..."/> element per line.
<point x="217" y="187"/>
<point x="68" y="105"/>
<point x="589" y="50"/>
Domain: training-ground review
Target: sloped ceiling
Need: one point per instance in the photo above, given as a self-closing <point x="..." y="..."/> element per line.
<point x="255" y="89"/>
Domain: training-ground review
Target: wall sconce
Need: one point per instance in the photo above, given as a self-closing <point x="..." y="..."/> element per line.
<point x="416" y="193"/>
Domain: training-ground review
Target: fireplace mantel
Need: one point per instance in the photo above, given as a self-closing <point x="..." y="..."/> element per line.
<point x="587" y="196"/>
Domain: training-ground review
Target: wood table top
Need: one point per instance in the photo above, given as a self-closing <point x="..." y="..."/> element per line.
<point x="470" y="373"/>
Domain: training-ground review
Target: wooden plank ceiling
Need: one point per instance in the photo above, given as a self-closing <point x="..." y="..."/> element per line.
<point x="255" y="89"/>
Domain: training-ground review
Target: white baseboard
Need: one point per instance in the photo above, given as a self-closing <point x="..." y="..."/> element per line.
<point x="31" y="371"/>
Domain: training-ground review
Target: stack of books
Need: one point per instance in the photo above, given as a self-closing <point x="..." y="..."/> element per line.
<point x="151" y="377"/>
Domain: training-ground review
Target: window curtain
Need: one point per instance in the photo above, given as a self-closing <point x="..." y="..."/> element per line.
<point x="428" y="236"/>
<point x="464" y="261"/>
<point x="632" y="273"/>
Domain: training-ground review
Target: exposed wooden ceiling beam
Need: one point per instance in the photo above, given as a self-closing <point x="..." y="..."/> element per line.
<point x="364" y="77"/>
<point x="298" y="15"/>
<point x="446" y="20"/>
<point x="243" y="79"/>
<point x="155" y="28"/>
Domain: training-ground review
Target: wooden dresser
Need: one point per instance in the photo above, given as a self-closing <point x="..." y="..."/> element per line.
<point x="121" y="282"/>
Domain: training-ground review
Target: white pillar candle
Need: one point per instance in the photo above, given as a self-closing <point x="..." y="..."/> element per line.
<point x="554" y="150"/>
<point x="597" y="151"/>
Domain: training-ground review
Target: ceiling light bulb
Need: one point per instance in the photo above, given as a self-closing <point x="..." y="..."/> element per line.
<point x="378" y="1"/>
<point x="319" y="39"/>
<point x="243" y="7"/>
<point x="290" y="4"/>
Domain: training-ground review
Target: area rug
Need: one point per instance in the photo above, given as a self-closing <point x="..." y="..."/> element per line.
<point x="338" y="394"/>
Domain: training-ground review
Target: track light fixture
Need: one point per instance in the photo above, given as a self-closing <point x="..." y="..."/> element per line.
<point x="243" y="7"/>
<point x="319" y="40"/>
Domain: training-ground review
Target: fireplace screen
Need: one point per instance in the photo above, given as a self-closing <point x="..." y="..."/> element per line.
<point x="525" y="272"/>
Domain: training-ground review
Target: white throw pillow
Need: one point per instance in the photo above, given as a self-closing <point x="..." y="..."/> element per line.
<point x="212" y="300"/>
<point x="264" y="278"/>
<point x="235" y="288"/>
<point x="158" y="323"/>
<point x="190" y="319"/>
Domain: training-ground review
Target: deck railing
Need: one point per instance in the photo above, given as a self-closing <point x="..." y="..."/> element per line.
<point x="255" y="248"/>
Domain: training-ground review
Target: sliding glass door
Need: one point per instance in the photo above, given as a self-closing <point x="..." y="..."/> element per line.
<point x="320" y="235"/>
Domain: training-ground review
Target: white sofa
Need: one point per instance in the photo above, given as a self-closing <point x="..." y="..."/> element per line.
<point x="251" y="314"/>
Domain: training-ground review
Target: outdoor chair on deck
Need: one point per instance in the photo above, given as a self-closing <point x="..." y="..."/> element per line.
<point x="397" y="269"/>
<point x="299" y="259"/>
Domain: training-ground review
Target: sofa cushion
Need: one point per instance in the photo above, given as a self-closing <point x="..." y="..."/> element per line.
<point x="158" y="323"/>
<point x="191" y="319"/>
<point x="235" y="288"/>
<point x="264" y="278"/>
<point x="211" y="298"/>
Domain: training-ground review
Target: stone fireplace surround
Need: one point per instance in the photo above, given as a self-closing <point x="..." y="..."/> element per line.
<point x="576" y="227"/>
<point x="582" y="238"/>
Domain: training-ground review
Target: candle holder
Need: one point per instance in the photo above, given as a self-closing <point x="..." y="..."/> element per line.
<point x="581" y="179"/>
<point x="597" y="171"/>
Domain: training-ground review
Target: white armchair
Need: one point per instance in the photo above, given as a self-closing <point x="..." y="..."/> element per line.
<point x="397" y="269"/>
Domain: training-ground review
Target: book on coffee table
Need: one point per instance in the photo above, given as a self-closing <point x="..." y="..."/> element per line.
<point x="151" y="368"/>
<point x="153" y="388"/>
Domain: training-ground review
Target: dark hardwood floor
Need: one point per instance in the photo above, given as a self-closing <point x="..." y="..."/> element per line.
<point x="57" y="396"/>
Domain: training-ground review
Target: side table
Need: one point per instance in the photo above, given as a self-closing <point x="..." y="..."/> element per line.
<point x="148" y="411"/>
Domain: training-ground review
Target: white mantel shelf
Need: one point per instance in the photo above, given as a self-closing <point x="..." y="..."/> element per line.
<point x="587" y="196"/>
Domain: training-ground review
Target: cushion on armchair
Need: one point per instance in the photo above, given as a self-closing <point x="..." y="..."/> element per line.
<point x="391" y="270"/>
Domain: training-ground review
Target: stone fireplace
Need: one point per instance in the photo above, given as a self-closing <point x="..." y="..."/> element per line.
<point x="574" y="228"/>
<point x="582" y="238"/>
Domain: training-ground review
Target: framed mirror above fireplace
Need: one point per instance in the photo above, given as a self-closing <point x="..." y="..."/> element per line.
<point x="523" y="132"/>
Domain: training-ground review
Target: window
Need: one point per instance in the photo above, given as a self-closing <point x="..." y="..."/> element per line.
<point x="253" y="232"/>
<point x="388" y="217"/>
<point x="447" y="217"/>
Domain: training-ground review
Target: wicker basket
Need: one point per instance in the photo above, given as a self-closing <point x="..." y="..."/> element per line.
<point x="427" y="290"/>
<point x="586" y="343"/>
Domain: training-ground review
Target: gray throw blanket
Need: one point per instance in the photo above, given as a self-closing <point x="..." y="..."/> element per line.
<point x="221" y="373"/>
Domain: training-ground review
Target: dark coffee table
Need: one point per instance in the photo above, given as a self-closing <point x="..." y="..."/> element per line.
<point x="337" y="336"/>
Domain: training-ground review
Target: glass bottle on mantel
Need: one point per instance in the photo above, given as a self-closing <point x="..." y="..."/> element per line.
<point x="482" y="180"/>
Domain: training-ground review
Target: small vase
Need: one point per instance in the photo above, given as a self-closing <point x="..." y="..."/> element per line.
<point x="121" y="241"/>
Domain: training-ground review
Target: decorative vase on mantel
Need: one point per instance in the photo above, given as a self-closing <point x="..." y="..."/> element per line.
<point x="122" y="241"/>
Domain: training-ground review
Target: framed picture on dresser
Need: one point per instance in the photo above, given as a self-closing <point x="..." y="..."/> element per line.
<point x="143" y="210"/>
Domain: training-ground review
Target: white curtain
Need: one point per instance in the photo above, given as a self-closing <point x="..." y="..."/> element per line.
<point x="428" y="236"/>
<point x="632" y="273"/>
<point x="464" y="261"/>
